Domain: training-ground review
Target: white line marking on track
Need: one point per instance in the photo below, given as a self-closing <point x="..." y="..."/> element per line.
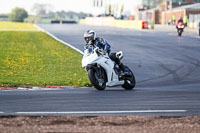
<point x="1" y="112"/>
<point x="107" y="112"/>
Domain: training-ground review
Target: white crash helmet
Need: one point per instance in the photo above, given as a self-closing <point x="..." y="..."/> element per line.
<point x="89" y="36"/>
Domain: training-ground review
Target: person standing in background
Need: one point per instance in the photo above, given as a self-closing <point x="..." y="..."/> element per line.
<point x="185" y="21"/>
<point x="173" y="19"/>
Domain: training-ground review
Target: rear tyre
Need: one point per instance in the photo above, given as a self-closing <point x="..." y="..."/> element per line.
<point x="99" y="82"/>
<point x="129" y="83"/>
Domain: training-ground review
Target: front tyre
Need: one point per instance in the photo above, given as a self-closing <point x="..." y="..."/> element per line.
<point x="99" y="81"/>
<point x="180" y="32"/>
<point x="129" y="83"/>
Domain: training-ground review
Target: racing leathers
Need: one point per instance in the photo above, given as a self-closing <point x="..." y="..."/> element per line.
<point x="103" y="45"/>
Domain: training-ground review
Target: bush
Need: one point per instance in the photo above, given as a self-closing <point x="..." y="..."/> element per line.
<point x="18" y="15"/>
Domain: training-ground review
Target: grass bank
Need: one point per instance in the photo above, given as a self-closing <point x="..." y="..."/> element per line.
<point x="35" y="59"/>
<point x="16" y="25"/>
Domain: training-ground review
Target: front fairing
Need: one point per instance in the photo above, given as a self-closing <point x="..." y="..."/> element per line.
<point x="89" y="58"/>
<point x="181" y="25"/>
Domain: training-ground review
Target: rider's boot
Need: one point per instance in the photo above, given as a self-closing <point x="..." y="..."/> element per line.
<point x="121" y="66"/>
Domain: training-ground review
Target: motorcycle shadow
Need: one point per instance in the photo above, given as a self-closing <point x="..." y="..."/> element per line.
<point x="116" y="90"/>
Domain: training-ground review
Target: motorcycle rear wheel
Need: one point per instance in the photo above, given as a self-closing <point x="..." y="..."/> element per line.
<point x="129" y="83"/>
<point x="94" y="79"/>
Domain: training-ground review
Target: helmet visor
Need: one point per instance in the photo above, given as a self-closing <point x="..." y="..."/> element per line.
<point x="88" y="39"/>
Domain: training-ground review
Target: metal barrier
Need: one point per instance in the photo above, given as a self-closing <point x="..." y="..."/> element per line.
<point x="194" y="20"/>
<point x="63" y="22"/>
<point x="110" y="21"/>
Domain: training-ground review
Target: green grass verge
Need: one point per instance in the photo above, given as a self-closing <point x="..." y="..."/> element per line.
<point x="16" y="25"/>
<point x="35" y="59"/>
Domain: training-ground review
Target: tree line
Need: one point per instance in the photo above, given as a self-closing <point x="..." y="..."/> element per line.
<point x="43" y="11"/>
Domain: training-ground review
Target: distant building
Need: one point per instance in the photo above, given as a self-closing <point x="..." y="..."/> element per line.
<point x="180" y="11"/>
<point x="113" y="7"/>
<point x="161" y="11"/>
<point x="151" y="3"/>
<point x="176" y="3"/>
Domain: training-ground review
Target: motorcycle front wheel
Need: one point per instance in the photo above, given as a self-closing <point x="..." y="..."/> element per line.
<point x="129" y="83"/>
<point x="99" y="81"/>
<point x="180" y="32"/>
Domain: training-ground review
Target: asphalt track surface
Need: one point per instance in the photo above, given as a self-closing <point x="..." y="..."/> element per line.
<point x="166" y="67"/>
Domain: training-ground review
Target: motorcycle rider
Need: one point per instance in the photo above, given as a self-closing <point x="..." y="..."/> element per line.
<point x="91" y="39"/>
<point x="179" y="21"/>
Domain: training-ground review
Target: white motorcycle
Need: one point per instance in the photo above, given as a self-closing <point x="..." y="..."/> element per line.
<point x="103" y="72"/>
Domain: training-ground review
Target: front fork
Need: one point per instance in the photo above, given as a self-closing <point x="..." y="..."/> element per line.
<point x="98" y="70"/>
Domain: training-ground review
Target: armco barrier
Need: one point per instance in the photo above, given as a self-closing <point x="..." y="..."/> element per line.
<point x="193" y="25"/>
<point x="129" y="24"/>
<point x="98" y="21"/>
<point x="109" y="21"/>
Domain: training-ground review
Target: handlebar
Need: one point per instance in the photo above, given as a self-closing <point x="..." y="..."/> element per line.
<point x="98" y="51"/>
<point x="93" y="49"/>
